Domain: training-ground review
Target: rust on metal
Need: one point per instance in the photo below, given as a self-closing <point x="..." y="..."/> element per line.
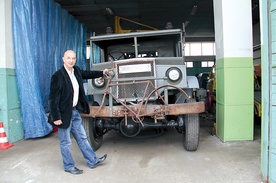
<point x="149" y="110"/>
<point x="143" y="108"/>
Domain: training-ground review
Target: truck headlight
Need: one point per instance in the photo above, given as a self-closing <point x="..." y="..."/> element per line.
<point x="174" y="74"/>
<point x="98" y="82"/>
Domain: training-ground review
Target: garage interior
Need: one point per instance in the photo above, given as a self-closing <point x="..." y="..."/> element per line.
<point x="214" y="161"/>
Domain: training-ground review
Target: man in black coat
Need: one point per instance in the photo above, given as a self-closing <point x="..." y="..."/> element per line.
<point x="67" y="100"/>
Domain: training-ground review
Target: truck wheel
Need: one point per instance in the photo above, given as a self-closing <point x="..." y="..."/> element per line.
<point x="191" y="132"/>
<point x="94" y="139"/>
<point x="94" y="135"/>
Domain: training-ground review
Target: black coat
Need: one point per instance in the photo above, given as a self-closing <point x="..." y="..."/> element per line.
<point x="62" y="92"/>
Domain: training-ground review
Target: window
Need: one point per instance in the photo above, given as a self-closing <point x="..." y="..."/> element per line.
<point x="195" y="49"/>
<point x="189" y="64"/>
<point x="187" y="49"/>
<point x="87" y="52"/>
<point x="199" y="48"/>
<point x="207" y="63"/>
<point x="207" y="49"/>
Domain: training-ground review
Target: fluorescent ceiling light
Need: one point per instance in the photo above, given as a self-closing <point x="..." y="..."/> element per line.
<point x="186" y="23"/>
<point x="193" y="10"/>
<point x="109" y="11"/>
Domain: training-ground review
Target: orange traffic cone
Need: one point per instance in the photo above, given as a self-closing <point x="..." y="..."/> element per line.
<point x="214" y="128"/>
<point x="4" y="144"/>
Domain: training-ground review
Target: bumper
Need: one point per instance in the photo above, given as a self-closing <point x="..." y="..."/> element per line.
<point x="156" y="111"/>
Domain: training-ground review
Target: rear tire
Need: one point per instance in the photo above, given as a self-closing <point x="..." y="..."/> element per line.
<point x="191" y="132"/>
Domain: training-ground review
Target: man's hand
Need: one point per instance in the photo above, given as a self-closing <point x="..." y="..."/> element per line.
<point x="105" y="71"/>
<point x="108" y="73"/>
<point x="58" y="122"/>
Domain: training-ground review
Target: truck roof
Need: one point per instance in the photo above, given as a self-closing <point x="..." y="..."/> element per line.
<point x="136" y="34"/>
<point x="103" y="41"/>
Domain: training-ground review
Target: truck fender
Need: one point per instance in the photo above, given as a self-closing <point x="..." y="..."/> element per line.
<point x="192" y="82"/>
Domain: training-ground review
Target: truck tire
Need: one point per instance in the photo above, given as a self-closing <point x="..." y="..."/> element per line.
<point x="191" y="132"/>
<point x="94" y="139"/>
<point x="94" y="136"/>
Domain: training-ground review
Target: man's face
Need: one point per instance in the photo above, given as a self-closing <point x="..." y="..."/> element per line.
<point x="69" y="59"/>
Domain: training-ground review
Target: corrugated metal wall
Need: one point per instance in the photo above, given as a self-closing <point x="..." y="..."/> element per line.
<point x="268" y="49"/>
<point x="272" y="129"/>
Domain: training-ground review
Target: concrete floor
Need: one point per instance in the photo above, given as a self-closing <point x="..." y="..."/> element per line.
<point x="155" y="160"/>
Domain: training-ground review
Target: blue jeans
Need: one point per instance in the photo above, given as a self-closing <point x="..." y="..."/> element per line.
<point x="77" y="130"/>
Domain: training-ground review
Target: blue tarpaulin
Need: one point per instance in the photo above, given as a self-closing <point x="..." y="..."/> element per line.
<point x="42" y="32"/>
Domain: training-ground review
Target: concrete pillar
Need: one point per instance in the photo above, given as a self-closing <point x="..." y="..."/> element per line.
<point x="10" y="113"/>
<point x="234" y="69"/>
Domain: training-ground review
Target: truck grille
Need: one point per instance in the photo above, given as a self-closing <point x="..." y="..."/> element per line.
<point x="133" y="79"/>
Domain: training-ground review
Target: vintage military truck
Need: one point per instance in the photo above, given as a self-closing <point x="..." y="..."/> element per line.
<point x="147" y="87"/>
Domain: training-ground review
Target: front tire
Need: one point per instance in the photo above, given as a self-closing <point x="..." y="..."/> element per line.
<point x="191" y="131"/>
<point x="95" y="139"/>
<point x="94" y="134"/>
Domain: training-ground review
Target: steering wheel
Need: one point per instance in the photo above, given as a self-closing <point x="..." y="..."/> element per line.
<point x="115" y="55"/>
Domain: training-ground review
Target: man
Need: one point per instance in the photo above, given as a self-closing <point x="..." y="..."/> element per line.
<point x="67" y="99"/>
